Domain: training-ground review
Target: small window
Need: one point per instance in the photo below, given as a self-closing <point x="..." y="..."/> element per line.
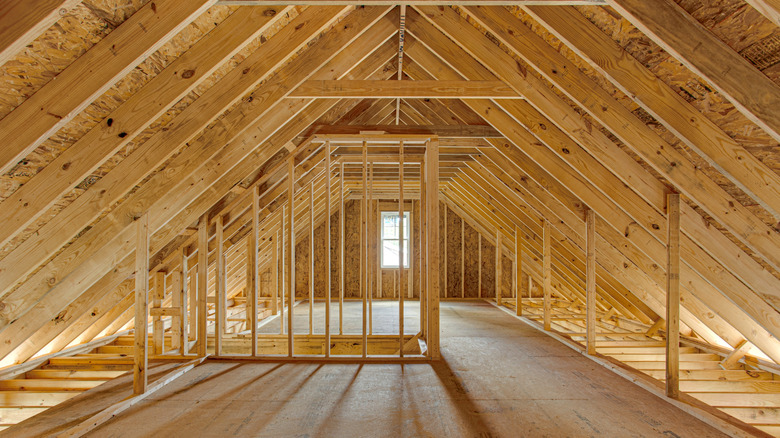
<point x="390" y="251"/>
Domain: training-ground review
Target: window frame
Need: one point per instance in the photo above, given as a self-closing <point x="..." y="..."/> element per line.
<point x="405" y="240"/>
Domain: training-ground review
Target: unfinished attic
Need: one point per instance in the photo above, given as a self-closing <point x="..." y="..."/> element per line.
<point x="365" y="218"/>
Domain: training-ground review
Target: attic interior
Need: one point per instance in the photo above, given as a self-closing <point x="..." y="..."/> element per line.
<point x="535" y="218"/>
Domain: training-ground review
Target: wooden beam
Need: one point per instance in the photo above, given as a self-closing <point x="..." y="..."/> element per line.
<point x="328" y="279"/>
<point x="673" y="298"/>
<point x="289" y="253"/>
<point x="518" y="272"/>
<point x="363" y="283"/>
<point x="140" y="353"/>
<point x="740" y="221"/>
<point x="768" y="8"/>
<point x="24" y="20"/>
<point x="432" y="235"/>
<point x="112" y="411"/>
<point x="446" y="131"/>
<point x="357" y="89"/>
<point x="57" y="102"/>
<point x="499" y="266"/>
<point x="677" y="32"/>
<point x="590" y="281"/>
<point x="311" y="257"/>
<point x="342" y="244"/>
<point x="184" y="285"/>
<point x="547" y="275"/>
<point x="135" y="114"/>
<point x="401" y="244"/>
<point x="651" y="189"/>
<point x="220" y="314"/>
<point x="665" y="104"/>
<point x="731" y="362"/>
<point x="202" y="174"/>
<point x="253" y="273"/>
<point x="158" y="329"/>
<point x="203" y="278"/>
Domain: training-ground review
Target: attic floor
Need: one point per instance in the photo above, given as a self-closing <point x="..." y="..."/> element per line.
<point x="499" y="377"/>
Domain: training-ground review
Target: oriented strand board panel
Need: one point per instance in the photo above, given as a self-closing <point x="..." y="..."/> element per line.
<point x="454" y="256"/>
<point x="488" y="269"/>
<point x="471" y="265"/>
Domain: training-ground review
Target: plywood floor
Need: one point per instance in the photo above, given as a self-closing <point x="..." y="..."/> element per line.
<point x="499" y="377"/>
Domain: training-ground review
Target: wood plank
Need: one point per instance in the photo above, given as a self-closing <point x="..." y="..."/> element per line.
<point x="124" y="123"/>
<point x="499" y="266"/>
<point x="519" y="272"/>
<point x="203" y="273"/>
<point x="677" y="32"/>
<point x="590" y="281"/>
<point x="140" y="355"/>
<point x="432" y="245"/>
<point x="623" y="124"/>
<point x="447" y="131"/>
<point x="24" y="20"/>
<point x="673" y="297"/>
<point x="732" y="360"/>
<point x="158" y="294"/>
<point x="195" y="182"/>
<point x="401" y="243"/>
<point x="683" y="119"/>
<point x="768" y="8"/>
<point x="358" y="89"/>
<point x="56" y="103"/>
<point x="643" y="183"/>
<point x="547" y="275"/>
<point x="155" y="151"/>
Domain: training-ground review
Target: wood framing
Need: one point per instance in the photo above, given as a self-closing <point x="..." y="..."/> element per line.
<point x="171" y="172"/>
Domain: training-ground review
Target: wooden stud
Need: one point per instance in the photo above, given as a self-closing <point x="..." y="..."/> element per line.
<point x="220" y="314"/>
<point x="275" y="276"/>
<point x="186" y="303"/>
<point x="253" y="269"/>
<point x="311" y="257"/>
<point x="446" y="247"/>
<point x="178" y="298"/>
<point x="423" y="251"/>
<point x="499" y="266"/>
<point x="289" y="253"/>
<point x="283" y="268"/>
<point x="462" y="258"/>
<point x="364" y="248"/>
<point x="401" y="248"/>
<point x="590" y="281"/>
<point x="203" y="276"/>
<point x="518" y="272"/>
<point x="342" y="234"/>
<point x="547" y="275"/>
<point x="158" y="328"/>
<point x="328" y="286"/>
<point x="673" y="297"/>
<point x="479" y="268"/>
<point x="371" y="274"/>
<point x="140" y="356"/>
<point x="432" y="234"/>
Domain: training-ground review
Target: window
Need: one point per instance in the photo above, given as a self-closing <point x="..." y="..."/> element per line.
<point x="390" y="250"/>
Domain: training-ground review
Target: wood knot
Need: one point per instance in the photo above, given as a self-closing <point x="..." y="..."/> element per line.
<point x="186" y="74"/>
<point x="269" y="13"/>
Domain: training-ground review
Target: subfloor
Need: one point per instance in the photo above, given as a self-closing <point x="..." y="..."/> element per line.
<point x="499" y="377"/>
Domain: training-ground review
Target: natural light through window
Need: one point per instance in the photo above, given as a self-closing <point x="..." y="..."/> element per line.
<point x="390" y="250"/>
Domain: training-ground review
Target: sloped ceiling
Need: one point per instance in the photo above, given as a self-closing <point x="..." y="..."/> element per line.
<point x="102" y="122"/>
